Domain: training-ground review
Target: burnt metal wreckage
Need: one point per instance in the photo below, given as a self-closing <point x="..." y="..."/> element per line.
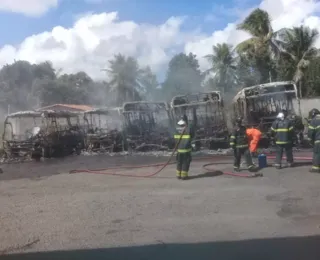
<point x="103" y="128"/>
<point x="147" y="126"/>
<point x="36" y="134"/>
<point x="144" y="126"/>
<point x="207" y="109"/>
<point x="259" y="106"/>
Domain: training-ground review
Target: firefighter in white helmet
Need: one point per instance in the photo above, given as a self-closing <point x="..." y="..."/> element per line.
<point x="183" y="137"/>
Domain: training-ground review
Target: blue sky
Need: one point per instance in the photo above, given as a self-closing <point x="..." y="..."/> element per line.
<point x="109" y="27"/>
<point x="209" y="15"/>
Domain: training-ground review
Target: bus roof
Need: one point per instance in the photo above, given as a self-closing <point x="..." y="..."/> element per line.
<point x="242" y="93"/>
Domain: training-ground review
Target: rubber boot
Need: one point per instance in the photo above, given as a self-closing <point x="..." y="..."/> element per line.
<point x="277" y="166"/>
<point x="290" y="165"/>
<point x="253" y="168"/>
<point x="314" y="171"/>
<point x="236" y="169"/>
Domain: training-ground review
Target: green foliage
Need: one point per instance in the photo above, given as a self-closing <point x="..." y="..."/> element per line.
<point x="25" y="86"/>
<point x="282" y="55"/>
<point x="223" y="67"/>
<point x="183" y="76"/>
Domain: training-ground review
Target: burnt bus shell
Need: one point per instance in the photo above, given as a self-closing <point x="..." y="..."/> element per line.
<point x="208" y="109"/>
<point x="147" y="126"/>
<point x="259" y="106"/>
<point x="57" y="134"/>
<point x="103" y="127"/>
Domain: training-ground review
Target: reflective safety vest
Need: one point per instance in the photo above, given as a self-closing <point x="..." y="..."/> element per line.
<point x="184" y="139"/>
<point x="239" y="138"/>
<point x="314" y="130"/>
<point x="254" y="136"/>
<point x="283" y="131"/>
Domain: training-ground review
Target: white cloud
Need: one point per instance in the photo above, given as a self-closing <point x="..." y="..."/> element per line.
<point x="27" y="7"/>
<point x="284" y="13"/>
<point x="95" y="38"/>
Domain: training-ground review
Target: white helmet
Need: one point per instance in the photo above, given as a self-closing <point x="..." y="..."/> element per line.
<point x="280" y="116"/>
<point x="181" y="122"/>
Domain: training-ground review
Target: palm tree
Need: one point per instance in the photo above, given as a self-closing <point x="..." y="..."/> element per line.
<point x="263" y="44"/>
<point x="223" y="66"/>
<point x="124" y="78"/>
<point x="298" y="48"/>
<point x="258" y="25"/>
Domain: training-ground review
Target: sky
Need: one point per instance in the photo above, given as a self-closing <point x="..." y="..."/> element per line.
<point x="82" y="35"/>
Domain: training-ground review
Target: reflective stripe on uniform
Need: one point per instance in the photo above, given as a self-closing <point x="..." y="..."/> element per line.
<point x="178" y="173"/>
<point x="316" y="167"/>
<point x="232" y="143"/>
<point x="242" y="146"/>
<point x="282" y="130"/>
<point x="311" y="127"/>
<point x="182" y="136"/>
<point x="184" y="150"/>
<point x="184" y="174"/>
<point x="279" y="142"/>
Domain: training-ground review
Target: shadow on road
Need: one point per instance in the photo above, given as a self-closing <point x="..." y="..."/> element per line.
<point x="205" y="175"/>
<point x="289" y="248"/>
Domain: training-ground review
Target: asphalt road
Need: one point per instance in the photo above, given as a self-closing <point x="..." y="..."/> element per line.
<point x="47" y="213"/>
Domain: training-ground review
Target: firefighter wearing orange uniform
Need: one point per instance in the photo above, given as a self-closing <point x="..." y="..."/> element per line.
<point x="254" y="136"/>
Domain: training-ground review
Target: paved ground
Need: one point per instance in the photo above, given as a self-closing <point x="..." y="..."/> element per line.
<point x="55" y="215"/>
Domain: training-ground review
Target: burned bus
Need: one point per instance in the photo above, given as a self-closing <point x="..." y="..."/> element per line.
<point x="259" y="105"/>
<point x="104" y="129"/>
<point x="147" y="126"/>
<point x="208" y="110"/>
<point x="36" y="134"/>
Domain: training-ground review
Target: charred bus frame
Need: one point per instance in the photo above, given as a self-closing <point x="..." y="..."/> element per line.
<point x="147" y="126"/>
<point x="37" y="134"/>
<point x="208" y="110"/>
<point x="104" y="129"/>
<point x="259" y="105"/>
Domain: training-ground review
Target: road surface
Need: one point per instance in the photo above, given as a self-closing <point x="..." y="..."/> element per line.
<point x="47" y="213"/>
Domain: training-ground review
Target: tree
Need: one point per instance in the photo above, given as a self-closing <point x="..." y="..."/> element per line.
<point x="183" y="76"/>
<point x="125" y="79"/>
<point x="312" y="78"/>
<point x="150" y="83"/>
<point x="298" y="50"/>
<point x="263" y="44"/>
<point x="223" y="66"/>
<point x="16" y="82"/>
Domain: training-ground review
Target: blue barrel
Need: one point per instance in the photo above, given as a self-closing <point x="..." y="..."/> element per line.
<point x="262" y="161"/>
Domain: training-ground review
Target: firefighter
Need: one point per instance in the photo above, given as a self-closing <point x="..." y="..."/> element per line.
<point x="283" y="133"/>
<point x="240" y="145"/>
<point x="314" y="138"/>
<point x="254" y="136"/>
<point x="183" y="137"/>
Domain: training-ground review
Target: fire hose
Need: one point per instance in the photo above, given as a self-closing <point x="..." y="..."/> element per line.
<point x="162" y="166"/>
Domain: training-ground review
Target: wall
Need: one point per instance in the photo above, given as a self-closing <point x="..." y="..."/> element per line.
<point x="306" y="105"/>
